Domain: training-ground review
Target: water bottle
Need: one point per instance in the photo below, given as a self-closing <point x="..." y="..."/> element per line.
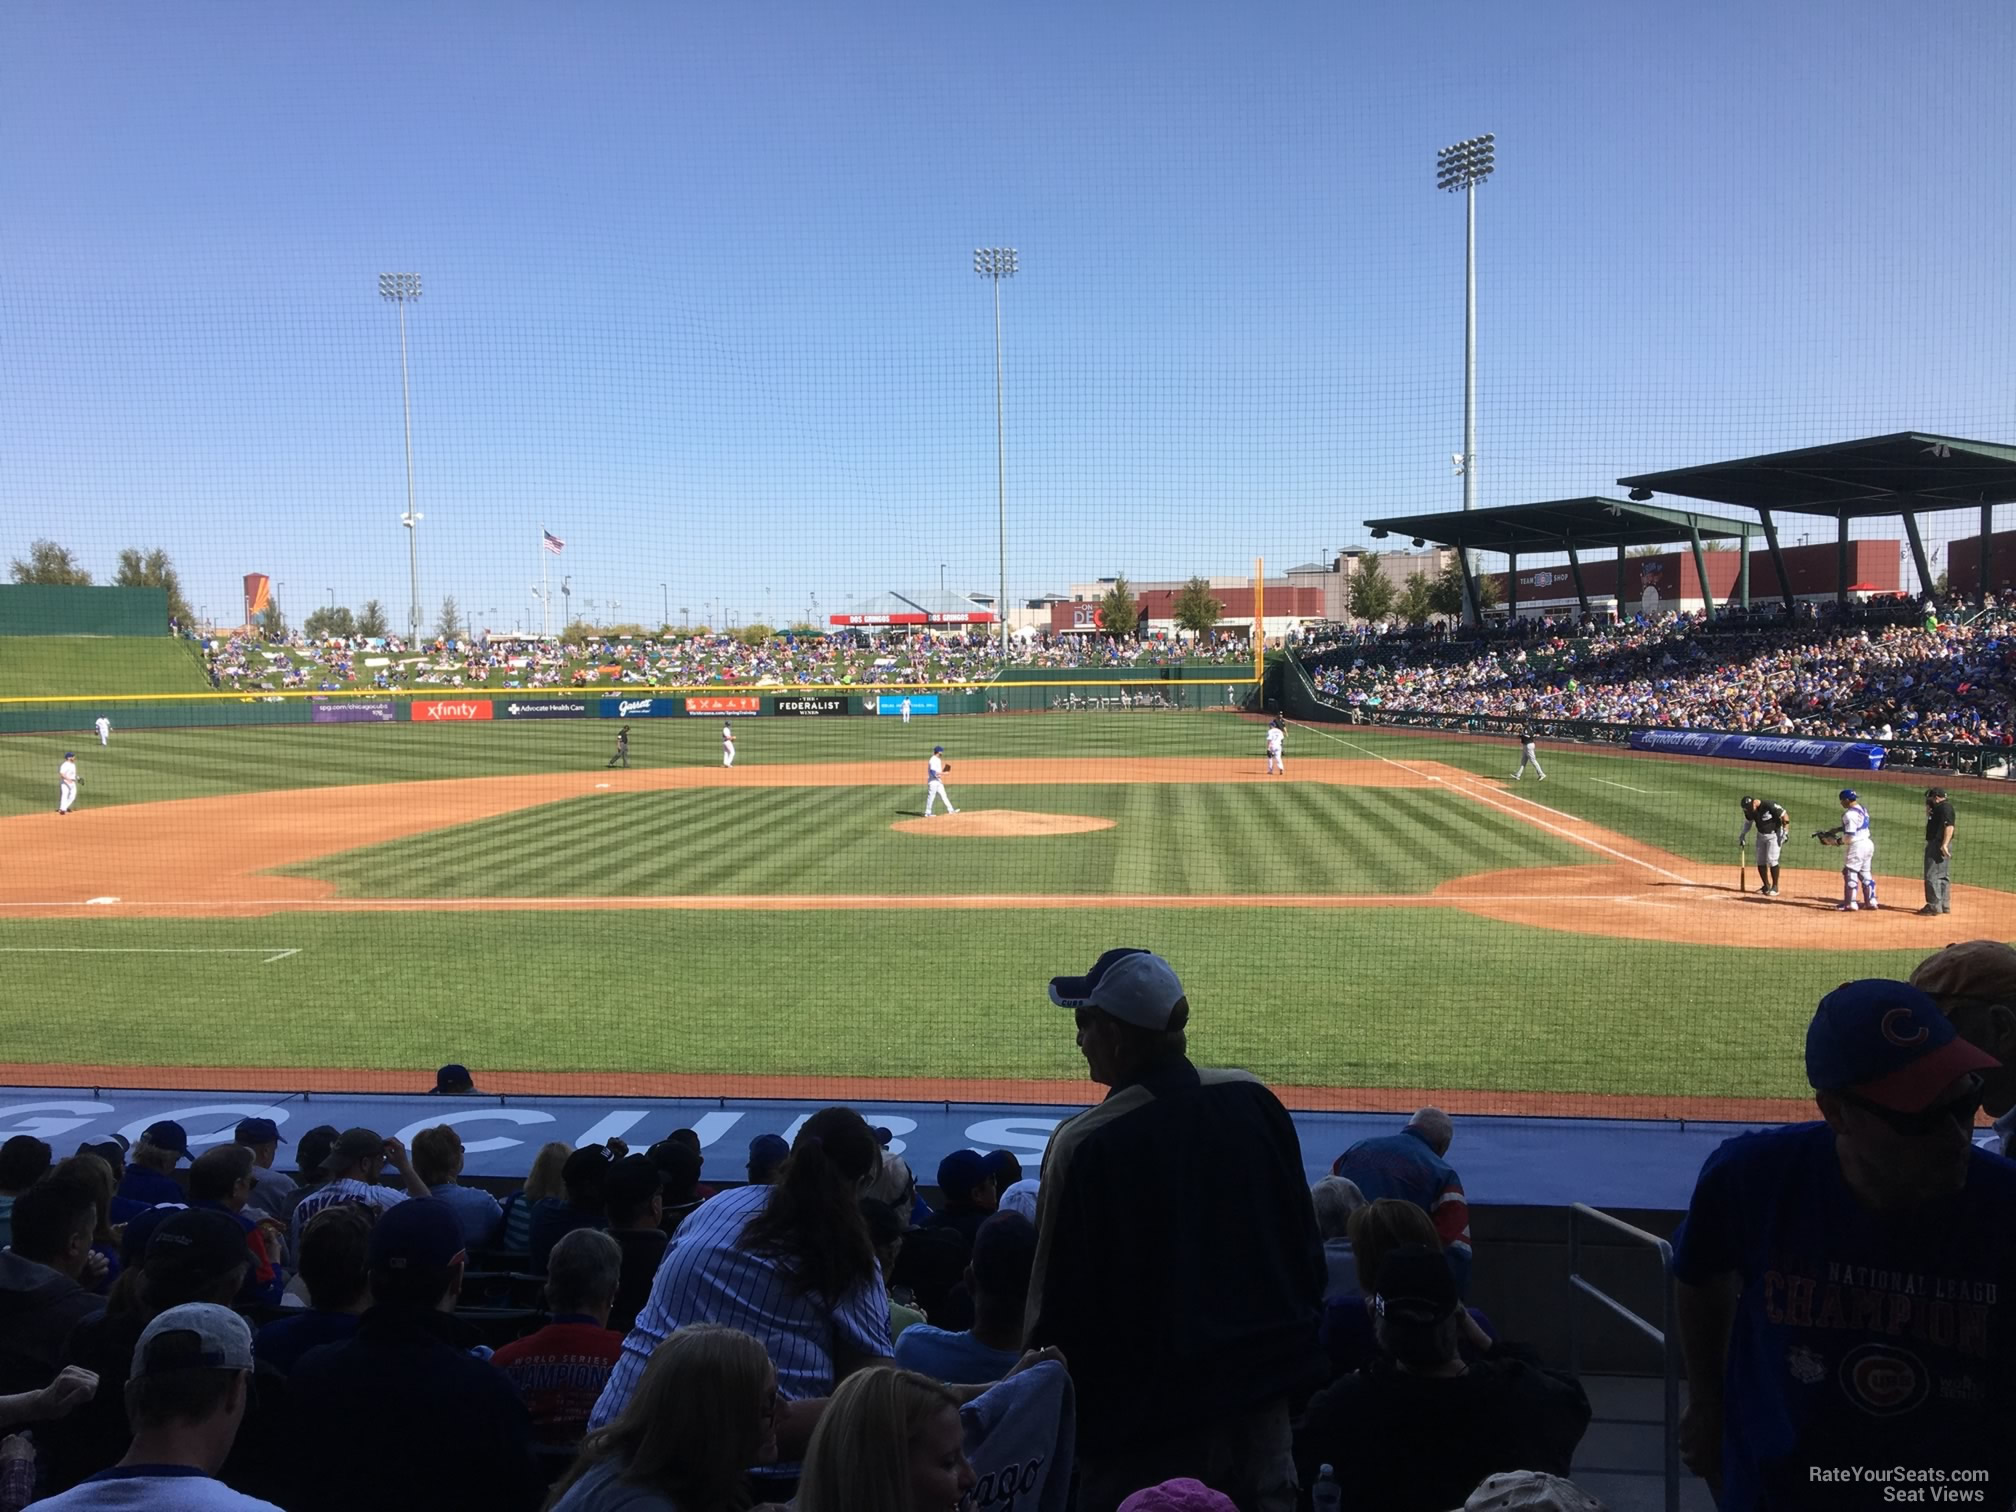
<point x="1327" y="1495"/>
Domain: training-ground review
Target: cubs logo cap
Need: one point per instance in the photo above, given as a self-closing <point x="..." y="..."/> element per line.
<point x="1889" y="1043"/>
<point x="1132" y="985"/>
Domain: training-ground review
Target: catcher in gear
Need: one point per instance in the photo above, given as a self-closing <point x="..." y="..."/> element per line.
<point x="1858" y="874"/>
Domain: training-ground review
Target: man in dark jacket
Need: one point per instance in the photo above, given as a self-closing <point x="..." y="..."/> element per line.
<point x="1419" y="1428"/>
<point x="40" y="1298"/>
<point x="1177" y="1265"/>
<point x="430" y="1424"/>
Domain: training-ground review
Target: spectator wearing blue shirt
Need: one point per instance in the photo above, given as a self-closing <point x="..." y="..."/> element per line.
<point x="335" y="1267"/>
<point x="1848" y="1287"/>
<point x="1413" y="1167"/>
<point x="437" y="1156"/>
<point x="149" y="1178"/>
<point x="997" y="1277"/>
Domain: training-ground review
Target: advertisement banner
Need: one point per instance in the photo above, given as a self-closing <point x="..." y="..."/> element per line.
<point x="736" y="705"/>
<point x="450" y="710"/>
<point x="640" y="708"/>
<point x="546" y="708"/>
<point x="892" y="703"/>
<point x="374" y="711"/>
<point x="1785" y="749"/>
<point x="822" y="704"/>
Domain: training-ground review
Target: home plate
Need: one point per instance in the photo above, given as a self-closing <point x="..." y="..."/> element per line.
<point x="89" y="901"/>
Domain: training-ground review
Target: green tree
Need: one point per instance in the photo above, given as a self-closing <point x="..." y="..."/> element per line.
<point x="152" y="569"/>
<point x="1446" y="593"/>
<point x="328" y="624"/>
<point x="1417" y="600"/>
<point x="1942" y="586"/>
<point x="755" y="635"/>
<point x="1372" y="592"/>
<point x="270" y="621"/>
<point x="51" y="564"/>
<point x="451" y="626"/>
<point x="1195" y="609"/>
<point x="1119" y="610"/>
<point x="371" y="620"/>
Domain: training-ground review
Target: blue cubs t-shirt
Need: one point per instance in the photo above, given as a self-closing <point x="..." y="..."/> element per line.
<point x="1865" y="1344"/>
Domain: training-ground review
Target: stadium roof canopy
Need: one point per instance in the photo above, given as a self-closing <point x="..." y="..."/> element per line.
<point x="926" y="609"/>
<point x="1906" y="474"/>
<point x="1572" y="526"/>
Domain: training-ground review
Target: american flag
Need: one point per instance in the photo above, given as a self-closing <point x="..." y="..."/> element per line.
<point x="552" y="542"/>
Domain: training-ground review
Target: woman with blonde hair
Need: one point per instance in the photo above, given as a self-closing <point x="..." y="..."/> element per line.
<point x="889" y="1441"/>
<point x="514" y="1233"/>
<point x="705" y="1410"/>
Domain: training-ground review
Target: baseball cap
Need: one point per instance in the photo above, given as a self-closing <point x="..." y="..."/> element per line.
<point x="633" y="1180"/>
<point x="883" y="1134"/>
<point x="1132" y="985"/>
<point x="194" y="1336"/>
<point x="351" y="1146"/>
<point x="252" y="1131"/>
<point x="1415" y="1285"/>
<point x="1849" y="795"/>
<point x="196" y="1242"/>
<point x="1182" y="1495"/>
<point x="167" y="1135"/>
<point x="452" y="1078"/>
<point x="960" y="1172"/>
<point x="1534" y="1489"/>
<point x="314" y="1148"/>
<point x="139" y="1230"/>
<point x="1021" y="1198"/>
<point x="767" y="1150"/>
<point x="1935" y="792"/>
<point x="112" y="1151"/>
<point x="937" y="750"/>
<point x="1971" y="969"/>
<point x="421" y="1233"/>
<point x="1886" y="1042"/>
<point x="67" y="756"/>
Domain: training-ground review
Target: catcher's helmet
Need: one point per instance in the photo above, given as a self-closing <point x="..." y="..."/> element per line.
<point x="937" y="750"/>
<point x="1849" y="795"/>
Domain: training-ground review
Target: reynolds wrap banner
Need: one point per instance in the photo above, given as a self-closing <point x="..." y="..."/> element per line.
<point x="737" y="705"/>
<point x="892" y="703"/>
<point x="1786" y="749"/>
<point x="640" y="708"/>
<point x="450" y="710"/>
<point x="545" y="708"/>
<point x="375" y="711"/>
<point x="836" y="704"/>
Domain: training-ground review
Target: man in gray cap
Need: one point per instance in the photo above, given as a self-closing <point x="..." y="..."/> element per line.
<point x="186" y="1397"/>
<point x="1177" y="1264"/>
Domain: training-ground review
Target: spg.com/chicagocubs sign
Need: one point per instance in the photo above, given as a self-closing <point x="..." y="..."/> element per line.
<point x="450" y="710"/>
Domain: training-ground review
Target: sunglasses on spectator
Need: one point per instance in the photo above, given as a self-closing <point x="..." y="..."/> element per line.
<point x="1932" y="1120"/>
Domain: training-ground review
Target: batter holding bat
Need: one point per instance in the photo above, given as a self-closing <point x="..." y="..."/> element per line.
<point x="1769" y="820"/>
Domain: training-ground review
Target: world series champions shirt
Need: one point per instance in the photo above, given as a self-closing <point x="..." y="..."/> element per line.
<point x="1863" y="1341"/>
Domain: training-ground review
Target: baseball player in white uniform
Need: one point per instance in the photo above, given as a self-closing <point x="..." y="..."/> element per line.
<point x="906" y="711"/>
<point x="1858" y="877"/>
<point x="727" y="744"/>
<point x="1528" y="757"/>
<point x="1275" y="736"/>
<point x="104" y="727"/>
<point x="934" y="782"/>
<point x="66" y="782"/>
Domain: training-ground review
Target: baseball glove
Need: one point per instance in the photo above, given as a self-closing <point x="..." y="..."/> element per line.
<point x="1828" y="837"/>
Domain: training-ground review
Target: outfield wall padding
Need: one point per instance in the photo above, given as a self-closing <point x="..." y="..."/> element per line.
<point x="52" y="609"/>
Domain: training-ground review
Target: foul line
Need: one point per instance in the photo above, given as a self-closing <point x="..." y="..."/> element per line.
<point x="271" y="952"/>
<point x="1491" y="802"/>
<point x="1625" y="785"/>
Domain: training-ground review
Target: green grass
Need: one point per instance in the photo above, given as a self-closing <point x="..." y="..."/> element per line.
<point x="1387" y="997"/>
<point x="1167" y="838"/>
<point x="1374" y="999"/>
<point x="48" y="666"/>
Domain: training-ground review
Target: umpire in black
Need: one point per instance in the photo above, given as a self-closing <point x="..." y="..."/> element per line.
<point x="622" y="756"/>
<point x="1938" y="852"/>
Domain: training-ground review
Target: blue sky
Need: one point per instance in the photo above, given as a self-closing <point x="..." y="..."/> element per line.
<point x="699" y="293"/>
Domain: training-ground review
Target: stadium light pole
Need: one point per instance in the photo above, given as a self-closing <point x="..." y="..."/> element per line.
<point x="995" y="264"/>
<point x="402" y="289"/>
<point x="1464" y="166"/>
<point x="664" y="605"/>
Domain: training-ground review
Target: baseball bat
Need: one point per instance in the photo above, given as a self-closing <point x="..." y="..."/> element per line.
<point x="1742" y="875"/>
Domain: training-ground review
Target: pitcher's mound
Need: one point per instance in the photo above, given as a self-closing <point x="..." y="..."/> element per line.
<point x="996" y="823"/>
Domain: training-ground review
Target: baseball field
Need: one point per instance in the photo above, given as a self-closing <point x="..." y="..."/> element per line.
<point x="350" y="905"/>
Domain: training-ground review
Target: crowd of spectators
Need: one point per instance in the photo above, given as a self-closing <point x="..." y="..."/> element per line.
<point x="1927" y="680"/>
<point x="1165" y="1317"/>
<point x="843" y="658"/>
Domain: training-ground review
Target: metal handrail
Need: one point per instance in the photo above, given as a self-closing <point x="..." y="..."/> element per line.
<point x="1665" y="1337"/>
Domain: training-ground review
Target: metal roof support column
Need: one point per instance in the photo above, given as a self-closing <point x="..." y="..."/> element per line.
<point x="1841" y="559"/>
<point x="1918" y="553"/>
<point x="1511" y="586"/>
<point x="1987" y="552"/>
<point x="1777" y="558"/>
<point x="1472" y="606"/>
<point x="1620" y="582"/>
<point x="1743" y="572"/>
<point x="1575" y="571"/>
<point x="1701" y="569"/>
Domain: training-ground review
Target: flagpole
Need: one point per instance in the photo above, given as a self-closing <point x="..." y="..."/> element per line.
<point x="545" y="590"/>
